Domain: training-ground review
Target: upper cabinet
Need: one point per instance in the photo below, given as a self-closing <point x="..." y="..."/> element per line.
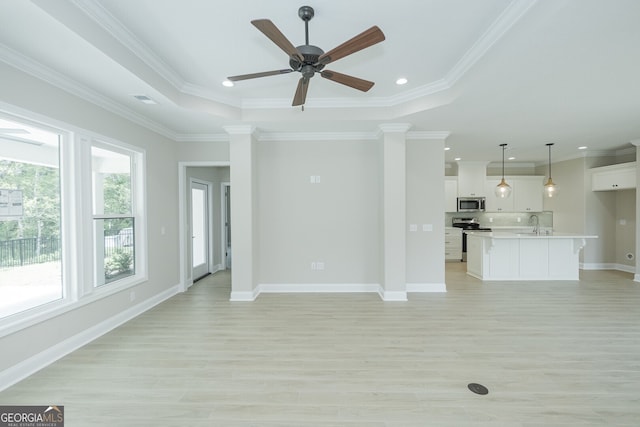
<point x="471" y="178"/>
<point x="526" y="195"/>
<point x="450" y="194"/>
<point x="493" y="202"/>
<point x="615" y="177"/>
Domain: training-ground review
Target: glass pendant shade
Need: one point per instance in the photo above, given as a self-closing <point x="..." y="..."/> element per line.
<point x="550" y="188"/>
<point x="503" y="190"/>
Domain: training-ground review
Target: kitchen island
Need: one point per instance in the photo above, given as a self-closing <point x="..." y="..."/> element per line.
<point x="524" y="256"/>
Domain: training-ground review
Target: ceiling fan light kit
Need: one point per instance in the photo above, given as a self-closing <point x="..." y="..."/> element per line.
<point x="309" y="60"/>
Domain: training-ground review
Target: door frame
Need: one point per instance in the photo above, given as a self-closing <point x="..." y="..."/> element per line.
<point x="223" y="226"/>
<point x="208" y="220"/>
<point x="184" y="239"/>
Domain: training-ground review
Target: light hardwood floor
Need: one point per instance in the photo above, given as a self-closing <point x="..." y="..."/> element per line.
<point x="550" y="353"/>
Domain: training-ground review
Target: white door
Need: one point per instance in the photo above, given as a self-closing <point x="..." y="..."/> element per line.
<point x="199" y="229"/>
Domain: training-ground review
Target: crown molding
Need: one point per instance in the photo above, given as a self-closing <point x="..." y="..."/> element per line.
<point x="94" y="10"/>
<point x="507" y="19"/>
<point x="306" y="136"/>
<point x="54" y="78"/>
<point x="214" y="137"/>
<point x="439" y="135"/>
<point x="504" y="22"/>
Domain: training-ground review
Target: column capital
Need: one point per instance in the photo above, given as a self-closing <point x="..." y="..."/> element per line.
<point x="240" y="129"/>
<point x="395" y="127"/>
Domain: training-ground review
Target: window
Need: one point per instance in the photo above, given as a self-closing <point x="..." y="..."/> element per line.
<point x="30" y="243"/>
<point x="113" y="220"/>
<point x="57" y="214"/>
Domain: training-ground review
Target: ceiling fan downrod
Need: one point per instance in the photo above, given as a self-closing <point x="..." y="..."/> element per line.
<point x="306" y="13"/>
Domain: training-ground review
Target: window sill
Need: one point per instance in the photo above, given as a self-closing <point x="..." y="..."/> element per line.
<point x="33" y="316"/>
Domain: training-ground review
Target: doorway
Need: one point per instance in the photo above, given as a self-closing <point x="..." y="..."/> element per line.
<point x="212" y="173"/>
<point x="200" y="229"/>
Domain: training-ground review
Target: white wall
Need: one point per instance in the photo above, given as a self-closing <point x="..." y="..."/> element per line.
<point x="625" y="227"/>
<point x="335" y="221"/>
<point x="425" y="205"/>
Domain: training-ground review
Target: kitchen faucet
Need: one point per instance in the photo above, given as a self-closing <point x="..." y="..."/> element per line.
<point x="535" y="222"/>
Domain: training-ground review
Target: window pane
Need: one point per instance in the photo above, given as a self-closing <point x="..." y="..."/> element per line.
<point x="30" y="245"/>
<point x="115" y="249"/>
<point x="111" y="182"/>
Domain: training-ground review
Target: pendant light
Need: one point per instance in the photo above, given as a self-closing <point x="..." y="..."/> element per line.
<point x="503" y="190"/>
<point x="550" y="189"/>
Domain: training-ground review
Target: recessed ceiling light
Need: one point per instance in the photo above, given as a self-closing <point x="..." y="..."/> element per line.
<point x="144" y="99"/>
<point x="582" y="148"/>
<point x="447" y="148"/>
<point x="227" y="83"/>
<point x="457" y="158"/>
<point x="401" y="81"/>
<point x="512" y="158"/>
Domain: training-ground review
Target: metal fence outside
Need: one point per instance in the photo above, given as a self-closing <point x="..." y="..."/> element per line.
<point x="26" y="251"/>
<point x="18" y="252"/>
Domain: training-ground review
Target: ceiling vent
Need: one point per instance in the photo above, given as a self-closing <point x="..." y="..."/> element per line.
<point x="145" y="99"/>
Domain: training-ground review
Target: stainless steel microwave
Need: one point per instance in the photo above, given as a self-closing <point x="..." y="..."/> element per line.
<point x="471" y="204"/>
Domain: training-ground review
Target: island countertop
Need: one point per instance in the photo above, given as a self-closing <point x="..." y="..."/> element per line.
<point x="542" y="235"/>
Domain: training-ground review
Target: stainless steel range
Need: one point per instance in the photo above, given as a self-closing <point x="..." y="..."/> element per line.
<point x="467" y="224"/>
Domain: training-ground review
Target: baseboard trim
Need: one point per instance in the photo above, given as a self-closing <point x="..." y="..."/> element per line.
<point x="393" y="296"/>
<point x="243" y="296"/>
<point x="608" y="266"/>
<point x="30" y="366"/>
<point x="318" y="287"/>
<point x="426" y="287"/>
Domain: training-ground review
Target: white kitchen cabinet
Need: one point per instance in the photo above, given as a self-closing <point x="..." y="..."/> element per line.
<point x="494" y="203"/>
<point x="615" y="177"/>
<point x="452" y="244"/>
<point x="450" y="194"/>
<point x="471" y="178"/>
<point x="528" y="193"/>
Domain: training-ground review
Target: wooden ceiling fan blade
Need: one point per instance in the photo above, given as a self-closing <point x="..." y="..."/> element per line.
<point x="270" y="30"/>
<point x="256" y="75"/>
<point x="301" y="92"/>
<point x="354" y="82"/>
<point x="362" y="41"/>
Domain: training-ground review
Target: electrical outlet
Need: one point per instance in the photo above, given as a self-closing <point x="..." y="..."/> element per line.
<point x="132" y="296"/>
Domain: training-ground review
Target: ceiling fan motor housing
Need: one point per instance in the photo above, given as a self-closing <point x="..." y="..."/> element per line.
<point x="311" y="54"/>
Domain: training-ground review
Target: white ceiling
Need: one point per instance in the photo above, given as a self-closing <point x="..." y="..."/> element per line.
<point x="522" y="72"/>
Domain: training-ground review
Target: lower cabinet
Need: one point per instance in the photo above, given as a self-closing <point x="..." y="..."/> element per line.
<point x="452" y="244"/>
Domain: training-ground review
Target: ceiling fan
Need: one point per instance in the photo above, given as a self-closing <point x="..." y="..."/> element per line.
<point x="308" y="59"/>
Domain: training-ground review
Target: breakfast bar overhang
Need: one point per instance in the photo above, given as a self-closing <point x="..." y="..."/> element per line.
<point x="524" y="256"/>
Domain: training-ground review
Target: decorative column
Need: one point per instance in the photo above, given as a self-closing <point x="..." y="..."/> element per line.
<point x="243" y="212"/>
<point x="636" y="277"/>
<point x="393" y="212"/>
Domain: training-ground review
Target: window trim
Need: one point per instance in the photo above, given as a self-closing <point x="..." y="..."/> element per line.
<point x="76" y="220"/>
